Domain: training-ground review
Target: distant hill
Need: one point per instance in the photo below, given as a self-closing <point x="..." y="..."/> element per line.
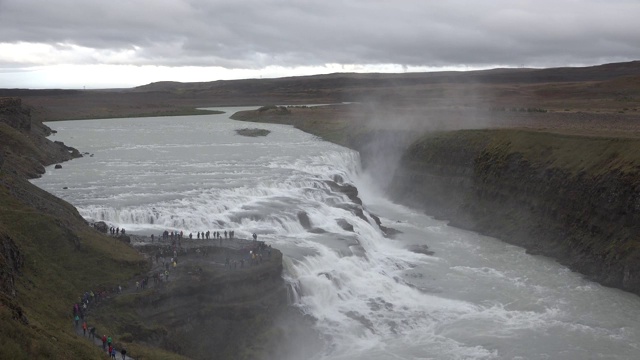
<point x="344" y="80"/>
<point x="611" y="88"/>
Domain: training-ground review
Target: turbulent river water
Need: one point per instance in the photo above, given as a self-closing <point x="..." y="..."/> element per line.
<point x="474" y="298"/>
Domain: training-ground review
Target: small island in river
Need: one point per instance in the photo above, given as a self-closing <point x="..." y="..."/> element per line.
<point x="253" y="132"/>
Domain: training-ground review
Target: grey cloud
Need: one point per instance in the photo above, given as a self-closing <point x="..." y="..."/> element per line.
<point x="254" y="34"/>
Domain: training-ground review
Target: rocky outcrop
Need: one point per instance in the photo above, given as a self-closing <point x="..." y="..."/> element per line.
<point x="24" y="144"/>
<point x="304" y="220"/>
<point x="253" y="132"/>
<point x="345" y="225"/>
<point x="11" y="261"/>
<point x="576" y="199"/>
<point x="210" y="311"/>
<point x="14" y="114"/>
<point x="101" y="226"/>
<point x="349" y="190"/>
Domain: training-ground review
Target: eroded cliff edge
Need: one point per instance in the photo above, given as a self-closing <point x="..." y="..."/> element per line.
<point x="207" y="310"/>
<point x="572" y="198"/>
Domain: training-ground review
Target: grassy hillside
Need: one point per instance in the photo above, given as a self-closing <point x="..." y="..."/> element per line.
<point x="570" y="197"/>
<point x="49" y="256"/>
<point x="589" y="155"/>
<point x="51" y="261"/>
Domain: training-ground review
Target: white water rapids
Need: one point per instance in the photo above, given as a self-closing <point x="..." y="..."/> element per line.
<point x="475" y="298"/>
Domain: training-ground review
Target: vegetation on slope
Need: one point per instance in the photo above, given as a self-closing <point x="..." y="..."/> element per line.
<point x="592" y="155"/>
<point x="60" y="259"/>
<point x="331" y="123"/>
<point x="570" y="197"/>
<point x="106" y="113"/>
<point x="48" y="255"/>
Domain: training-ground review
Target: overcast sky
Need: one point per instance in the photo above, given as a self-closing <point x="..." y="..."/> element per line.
<point x="124" y="43"/>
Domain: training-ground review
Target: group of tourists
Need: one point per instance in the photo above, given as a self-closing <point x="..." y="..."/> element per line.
<point x="166" y="259"/>
<point x="173" y="235"/>
<point x="107" y="345"/>
<point x="176" y="236"/>
<point x="252" y="255"/>
<point x="80" y="310"/>
<point x="116" y="231"/>
<point x="213" y="234"/>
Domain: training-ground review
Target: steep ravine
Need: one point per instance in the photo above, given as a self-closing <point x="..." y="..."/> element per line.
<point x="575" y="199"/>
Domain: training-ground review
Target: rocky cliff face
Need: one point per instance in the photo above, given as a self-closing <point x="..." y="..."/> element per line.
<point x="576" y="199"/>
<point x="208" y="311"/>
<point x="48" y="255"/>
<point x="13" y="114"/>
<point x="11" y="260"/>
<point x="23" y="152"/>
<point x="24" y="144"/>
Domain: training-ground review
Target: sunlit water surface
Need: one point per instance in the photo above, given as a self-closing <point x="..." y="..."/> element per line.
<point x="475" y="298"/>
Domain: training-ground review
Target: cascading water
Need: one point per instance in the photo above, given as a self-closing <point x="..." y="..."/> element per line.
<point x="372" y="298"/>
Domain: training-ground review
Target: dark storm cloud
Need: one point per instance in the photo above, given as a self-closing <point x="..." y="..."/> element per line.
<point x="254" y="34"/>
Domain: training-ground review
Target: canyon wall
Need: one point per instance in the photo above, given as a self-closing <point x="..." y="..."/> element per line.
<point x="572" y="198"/>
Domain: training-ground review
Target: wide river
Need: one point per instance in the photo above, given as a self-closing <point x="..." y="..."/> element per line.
<point x="475" y="298"/>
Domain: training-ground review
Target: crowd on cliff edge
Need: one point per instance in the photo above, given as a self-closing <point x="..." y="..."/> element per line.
<point x="168" y="256"/>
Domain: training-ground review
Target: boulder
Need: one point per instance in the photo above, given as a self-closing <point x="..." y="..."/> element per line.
<point x="304" y="220"/>
<point x="58" y="166"/>
<point x="101" y="226"/>
<point x="124" y="238"/>
<point x="420" y="249"/>
<point x="345" y="225"/>
<point x="347" y="189"/>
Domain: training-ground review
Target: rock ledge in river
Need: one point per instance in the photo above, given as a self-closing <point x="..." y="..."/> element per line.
<point x="253" y="132"/>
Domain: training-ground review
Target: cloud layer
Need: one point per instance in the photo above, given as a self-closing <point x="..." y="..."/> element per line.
<point x="253" y="34"/>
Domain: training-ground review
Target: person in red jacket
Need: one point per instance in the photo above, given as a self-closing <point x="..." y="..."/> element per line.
<point x="104" y="342"/>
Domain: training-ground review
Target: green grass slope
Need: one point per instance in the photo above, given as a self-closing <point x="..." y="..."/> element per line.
<point x="48" y="261"/>
<point x="49" y="256"/>
<point x="573" y="198"/>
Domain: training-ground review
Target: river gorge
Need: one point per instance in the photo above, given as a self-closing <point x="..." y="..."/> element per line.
<point x="429" y="291"/>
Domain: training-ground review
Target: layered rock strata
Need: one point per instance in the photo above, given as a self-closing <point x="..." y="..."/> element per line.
<point x="576" y="199"/>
